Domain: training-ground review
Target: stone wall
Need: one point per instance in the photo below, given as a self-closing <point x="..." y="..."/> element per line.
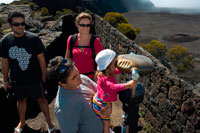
<point x="170" y="103"/>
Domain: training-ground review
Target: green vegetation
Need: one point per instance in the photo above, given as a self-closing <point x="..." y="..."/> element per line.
<point x="20" y="2"/>
<point x="118" y="21"/>
<point x="115" y="18"/>
<point x="127" y="30"/>
<point x="147" y="127"/>
<point x="177" y="52"/>
<point x="44" y="11"/>
<point x="80" y="9"/>
<point x="178" y="55"/>
<point x="180" y="58"/>
<point x="32" y="5"/>
<point x="156" y="48"/>
<point x="64" y="12"/>
<point x="137" y="31"/>
<point x="6" y="31"/>
<point x="141" y="112"/>
<point x="67" y="11"/>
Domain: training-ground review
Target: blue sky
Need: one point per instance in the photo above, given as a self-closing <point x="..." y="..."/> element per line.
<point x="177" y="3"/>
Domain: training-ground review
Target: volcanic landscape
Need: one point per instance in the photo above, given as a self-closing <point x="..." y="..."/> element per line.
<point x="170" y="29"/>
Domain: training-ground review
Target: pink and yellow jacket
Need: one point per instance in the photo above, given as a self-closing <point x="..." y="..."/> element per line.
<point x="107" y="88"/>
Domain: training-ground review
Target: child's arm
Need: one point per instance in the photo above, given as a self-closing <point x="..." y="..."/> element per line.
<point x="120" y="87"/>
<point x="131" y="84"/>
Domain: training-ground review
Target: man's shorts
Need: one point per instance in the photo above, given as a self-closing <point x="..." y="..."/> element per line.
<point x="33" y="91"/>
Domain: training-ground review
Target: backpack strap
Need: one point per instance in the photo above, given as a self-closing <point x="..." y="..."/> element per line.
<point x="92" y="45"/>
<point x="93" y="50"/>
<point x="72" y="43"/>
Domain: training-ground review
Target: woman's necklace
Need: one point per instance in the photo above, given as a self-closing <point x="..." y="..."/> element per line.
<point x="80" y="44"/>
<point x="81" y="49"/>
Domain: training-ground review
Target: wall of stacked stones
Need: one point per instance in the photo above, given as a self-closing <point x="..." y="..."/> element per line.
<point x="170" y="103"/>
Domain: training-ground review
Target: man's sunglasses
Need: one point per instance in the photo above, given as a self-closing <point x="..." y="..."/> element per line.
<point x="18" y="24"/>
<point x="62" y="71"/>
<point x="85" y="25"/>
<point x="62" y="66"/>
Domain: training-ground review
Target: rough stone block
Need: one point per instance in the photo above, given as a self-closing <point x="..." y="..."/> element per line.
<point x="175" y="95"/>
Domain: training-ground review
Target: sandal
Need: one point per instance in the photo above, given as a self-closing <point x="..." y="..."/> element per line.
<point x="51" y="129"/>
<point x="111" y="131"/>
<point x="19" y="130"/>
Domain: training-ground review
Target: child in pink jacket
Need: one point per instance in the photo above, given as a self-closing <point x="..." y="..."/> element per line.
<point x="107" y="86"/>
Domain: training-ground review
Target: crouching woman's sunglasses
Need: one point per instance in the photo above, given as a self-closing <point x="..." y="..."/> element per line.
<point x="18" y="24"/>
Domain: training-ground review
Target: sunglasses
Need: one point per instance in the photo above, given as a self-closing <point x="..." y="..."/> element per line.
<point x="85" y="25"/>
<point x="18" y="24"/>
<point x="62" y="66"/>
<point x="62" y="70"/>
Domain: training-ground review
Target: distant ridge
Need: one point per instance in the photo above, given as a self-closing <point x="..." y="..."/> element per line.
<point x="172" y="10"/>
<point x="99" y="7"/>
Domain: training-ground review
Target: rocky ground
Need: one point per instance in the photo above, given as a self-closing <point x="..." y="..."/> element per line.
<point x="46" y="31"/>
<point x="154" y="26"/>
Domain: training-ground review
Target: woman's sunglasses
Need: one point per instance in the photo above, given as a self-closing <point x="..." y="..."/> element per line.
<point x="85" y="25"/>
<point x="18" y="24"/>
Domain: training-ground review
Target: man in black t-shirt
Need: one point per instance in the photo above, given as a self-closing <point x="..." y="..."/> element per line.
<point x="23" y="55"/>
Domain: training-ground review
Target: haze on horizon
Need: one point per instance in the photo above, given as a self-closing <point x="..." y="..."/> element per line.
<point x="6" y="1"/>
<point x="194" y="4"/>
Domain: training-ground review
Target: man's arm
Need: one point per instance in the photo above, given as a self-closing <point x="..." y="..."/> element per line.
<point x="5" y="70"/>
<point x="42" y="63"/>
<point x="92" y="85"/>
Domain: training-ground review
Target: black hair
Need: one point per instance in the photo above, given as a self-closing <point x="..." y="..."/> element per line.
<point x="53" y="69"/>
<point x="15" y="14"/>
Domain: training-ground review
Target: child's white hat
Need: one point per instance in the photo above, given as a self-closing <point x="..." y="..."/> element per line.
<point x="104" y="58"/>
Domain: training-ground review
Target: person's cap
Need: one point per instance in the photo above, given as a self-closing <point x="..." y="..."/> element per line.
<point x="104" y="58"/>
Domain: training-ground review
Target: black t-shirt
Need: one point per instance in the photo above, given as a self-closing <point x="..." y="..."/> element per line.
<point x="22" y="54"/>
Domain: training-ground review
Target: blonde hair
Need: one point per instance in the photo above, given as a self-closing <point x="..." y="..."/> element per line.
<point x="81" y="16"/>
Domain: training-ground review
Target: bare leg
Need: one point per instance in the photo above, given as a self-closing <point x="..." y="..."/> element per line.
<point x="21" y="107"/>
<point x="106" y="126"/>
<point x="45" y="110"/>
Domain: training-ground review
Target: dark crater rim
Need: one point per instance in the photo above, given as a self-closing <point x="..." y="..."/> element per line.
<point x="180" y="37"/>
